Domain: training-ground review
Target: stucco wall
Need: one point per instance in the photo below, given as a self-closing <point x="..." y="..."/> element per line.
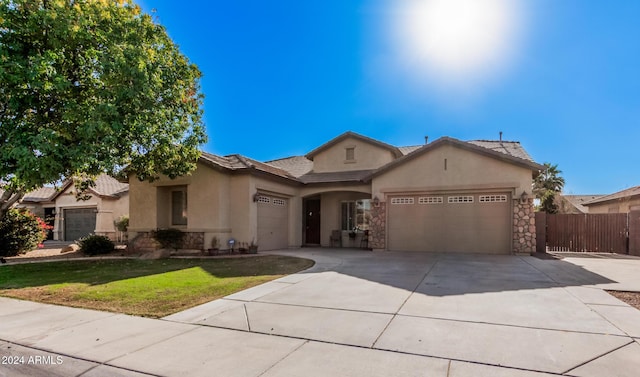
<point x="617" y="206"/>
<point x="367" y="156"/>
<point x="464" y="170"/>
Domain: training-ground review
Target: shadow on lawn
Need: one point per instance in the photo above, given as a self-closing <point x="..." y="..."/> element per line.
<point x="104" y="271"/>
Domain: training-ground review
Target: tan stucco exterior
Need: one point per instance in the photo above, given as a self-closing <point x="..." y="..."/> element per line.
<point x="366" y="156"/>
<point x="224" y="200"/>
<point x="623" y="205"/>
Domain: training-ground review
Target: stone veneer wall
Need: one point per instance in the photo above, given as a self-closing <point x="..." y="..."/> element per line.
<point x="524" y="227"/>
<point x="377" y="226"/>
<point x="144" y="242"/>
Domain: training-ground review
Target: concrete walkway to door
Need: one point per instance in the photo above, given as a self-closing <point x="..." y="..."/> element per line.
<point x="358" y="313"/>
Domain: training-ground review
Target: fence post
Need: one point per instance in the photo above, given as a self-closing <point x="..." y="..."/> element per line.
<point x="634" y="233"/>
<point x="541" y="232"/>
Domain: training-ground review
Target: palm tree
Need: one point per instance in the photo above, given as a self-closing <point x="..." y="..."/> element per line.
<point x="545" y="187"/>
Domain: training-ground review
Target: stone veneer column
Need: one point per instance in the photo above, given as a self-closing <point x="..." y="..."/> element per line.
<point x="377" y="226"/>
<point x="524" y="227"/>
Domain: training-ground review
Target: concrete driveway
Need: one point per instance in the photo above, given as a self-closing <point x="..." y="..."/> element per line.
<point x="357" y="313"/>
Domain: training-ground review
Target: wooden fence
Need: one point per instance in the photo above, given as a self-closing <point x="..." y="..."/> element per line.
<point x="605" y="233"/>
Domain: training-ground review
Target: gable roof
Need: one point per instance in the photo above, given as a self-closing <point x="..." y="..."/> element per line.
<point x="578" y="201"/>
<point x="43" y="194"/>
<point x="239" y="163"/>
<point x="349" y="134"/>
<point x="504" y="155"/>
<point x="106" y="187"/>
<point x="511" y="148"/>
<point x="626" y="193"/>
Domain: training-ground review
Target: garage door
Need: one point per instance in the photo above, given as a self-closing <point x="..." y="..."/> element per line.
<point x="79" y="223"/>
<point x="468" y="223"/>
<point x="273" y="223"/>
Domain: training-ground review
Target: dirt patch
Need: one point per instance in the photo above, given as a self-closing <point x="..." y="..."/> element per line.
<point x="631" y="298"/>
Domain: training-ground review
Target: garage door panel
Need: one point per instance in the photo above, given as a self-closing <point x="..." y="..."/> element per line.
<point x="79" y="223"/>
<point x="273" y="223"/>
<point x="461" y="224"/>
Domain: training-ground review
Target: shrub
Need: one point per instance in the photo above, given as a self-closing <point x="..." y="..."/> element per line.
<point x="20" y="231"/>
<point x="122" y="224"/>
<point x="94" y="245"/>
<point x="170" y="238"/>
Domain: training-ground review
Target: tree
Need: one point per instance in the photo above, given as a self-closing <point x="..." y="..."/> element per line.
<point x="90" y="87"/>
<point x="546" y="185"/>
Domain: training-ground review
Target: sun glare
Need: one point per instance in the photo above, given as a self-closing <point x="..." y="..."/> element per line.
<point x="457" y="42"/>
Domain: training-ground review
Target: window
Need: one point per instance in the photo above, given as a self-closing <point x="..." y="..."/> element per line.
<point x="430" y="200"/>
<point x="402" y="200"/>
<point x="460" y="199"/>
<point x="492" y="198"/>
<point x="350" y="154"/>
<point x="179" y="207"/>
<point x="356" y="214"/>
<point x="263" y="199"/>
<point x="279" y="202"/>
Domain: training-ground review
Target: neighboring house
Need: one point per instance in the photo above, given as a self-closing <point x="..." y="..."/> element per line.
<point x="574" y="204"/>
<point x="353" y="191"/>
<point x="623" y="201"/>
<point x="73" y="219"/>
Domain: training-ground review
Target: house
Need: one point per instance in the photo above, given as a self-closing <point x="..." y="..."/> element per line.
<point x="574" y="204"/>
<point x="623" y="201"/>
<point x="444" y="196"/>
<point x="73" y="219"/>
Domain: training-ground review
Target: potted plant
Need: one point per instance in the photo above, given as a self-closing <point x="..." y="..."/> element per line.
<point x="215" y="246"/>
<point x="253" y="248"/>
<point x="242" y="247"/>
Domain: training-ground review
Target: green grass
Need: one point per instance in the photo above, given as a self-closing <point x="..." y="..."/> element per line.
<point x="151" y="288"/>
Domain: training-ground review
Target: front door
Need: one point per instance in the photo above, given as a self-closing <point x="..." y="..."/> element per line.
<point x="312" y="221"/>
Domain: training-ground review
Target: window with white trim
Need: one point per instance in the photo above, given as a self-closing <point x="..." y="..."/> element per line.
<point x="492" y="198"/>
<point x="460" y="199"/>
<point x="408" y="200"/>
<point x="430" y="200"/>
<point x="356" y="214"/>
<point x="263" y="199"/>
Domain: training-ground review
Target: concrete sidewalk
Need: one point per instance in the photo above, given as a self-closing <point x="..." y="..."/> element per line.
<point x="354" y="314"/>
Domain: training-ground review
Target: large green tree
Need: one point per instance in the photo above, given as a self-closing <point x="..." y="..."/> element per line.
<point x="546" y="185"/>
<point x="92" y="86"/>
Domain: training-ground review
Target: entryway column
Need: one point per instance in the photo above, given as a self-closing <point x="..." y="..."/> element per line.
<point x="378" y="226"/>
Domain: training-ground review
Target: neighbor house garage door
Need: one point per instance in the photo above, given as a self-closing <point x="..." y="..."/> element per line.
<point x="468" y="223"/>
<point x="273" y="223"/>
<point x="79" y="223"/>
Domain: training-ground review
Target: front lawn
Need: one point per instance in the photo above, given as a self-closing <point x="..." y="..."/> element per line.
<point x="150" y="288"/>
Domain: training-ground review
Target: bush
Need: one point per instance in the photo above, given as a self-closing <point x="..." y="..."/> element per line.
<point x="94" y="245"/>
<point x="170" y="238"/>
<point x="122" y="224"/>
<point x="20" y="231"/>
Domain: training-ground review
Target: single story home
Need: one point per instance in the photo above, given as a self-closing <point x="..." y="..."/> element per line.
<point x="623" y="201"/>
<point x="73" y="219"/>
<point x="353" y="191"/>
<point x="574" y="204"/>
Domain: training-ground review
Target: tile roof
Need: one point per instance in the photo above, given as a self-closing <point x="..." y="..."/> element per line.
<point x="296" y="166"/>
<point x="334" y="177"/>
<point x="579" y="200"/>
<point x="511" y="148"/>
<point x="43" y="194"/>
<point x="626" y="193"/>
<point x="409" y="149"/>
<point x="109" y="186"/>
<point x="236" y="162"/>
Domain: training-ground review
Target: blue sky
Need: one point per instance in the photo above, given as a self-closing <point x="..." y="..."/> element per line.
<point x="283" y="77"/>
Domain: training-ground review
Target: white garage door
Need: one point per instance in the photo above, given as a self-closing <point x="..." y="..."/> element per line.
<point x="273" y="223"/>
<point x="468" y="223"/>
<point x="79" y="223"/>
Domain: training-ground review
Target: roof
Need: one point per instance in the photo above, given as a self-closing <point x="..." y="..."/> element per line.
<point x="335" y="177"/>
<point x="409" y="149"/>
<point x="510" y="152"/>
<point x="296" y="165"/>
<point x="239" y="163"/>
<point x="511" y="148"/>
<point x="349" y="134"/>
<point x="626" y="193"/>
<point x="578" y="201"/>
<point x="105" y="187"/>
<point x="43" y="194"/>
